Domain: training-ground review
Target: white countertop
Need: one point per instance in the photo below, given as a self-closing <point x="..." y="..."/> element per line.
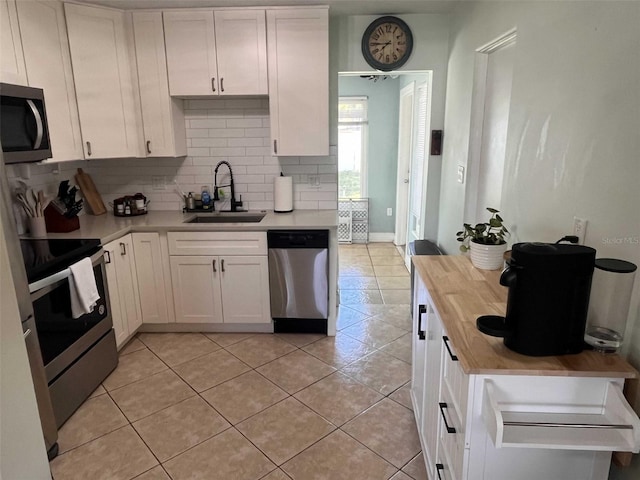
<point x="108" y="227"/>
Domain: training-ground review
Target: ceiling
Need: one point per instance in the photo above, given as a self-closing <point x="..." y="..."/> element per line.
<point x="337" y="7"/>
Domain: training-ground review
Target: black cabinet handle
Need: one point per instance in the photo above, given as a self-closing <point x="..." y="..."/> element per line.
<point x="439" y="467"/>
<point x="123" y="249"/>
<point x="108" y="255"/>
<point x="222" y="264"/>
<point x="149" y="146"/>
<point x="421" y="310"/>
<point x="445" y="339"/>
<point x="213" y="84"/>
<point x="442" y="406"/>
<point x="214" y="266"/>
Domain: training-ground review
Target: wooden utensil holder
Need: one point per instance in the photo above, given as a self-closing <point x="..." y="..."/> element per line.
<point x="58" y="223"/>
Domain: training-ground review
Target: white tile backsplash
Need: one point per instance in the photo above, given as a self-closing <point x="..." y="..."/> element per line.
<point x="235" y="130"/>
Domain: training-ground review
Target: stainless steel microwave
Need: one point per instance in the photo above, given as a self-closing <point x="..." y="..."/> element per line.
<point x="24" y="133"/>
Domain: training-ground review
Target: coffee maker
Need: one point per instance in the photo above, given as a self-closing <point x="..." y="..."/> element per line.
<point x="549" y="287"/>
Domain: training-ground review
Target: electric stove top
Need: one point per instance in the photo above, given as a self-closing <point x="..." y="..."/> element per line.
<point x="45" y="257"/>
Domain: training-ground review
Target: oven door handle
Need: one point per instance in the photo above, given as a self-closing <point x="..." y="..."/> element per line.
<point x="61" y="275"/>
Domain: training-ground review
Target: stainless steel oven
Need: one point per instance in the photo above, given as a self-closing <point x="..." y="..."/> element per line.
<point x="77" y="353"/>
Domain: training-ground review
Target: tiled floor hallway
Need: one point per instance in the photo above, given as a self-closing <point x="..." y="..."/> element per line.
<point x="271" y="407"/>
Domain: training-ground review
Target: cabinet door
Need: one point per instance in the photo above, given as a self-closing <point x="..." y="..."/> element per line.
<point x="162" y="116"/>
<point x="298" y="59"/>
<point x="48" y="61"/>
<point x="191" y="52"/>
<point x="151" y="286"/>
<point x="103" y="79"/>
<point x="120" y="326"/>
<point x="431" y="411"/>
<point x="196" y="289"/>
<point x="241" y="43"/>
<point x="12" y="69"/>
<point x="419" y="347"/>
<point x="245" y="289"/>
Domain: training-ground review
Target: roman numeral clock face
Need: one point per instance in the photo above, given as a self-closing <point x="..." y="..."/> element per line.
<point x="387" y="43"/>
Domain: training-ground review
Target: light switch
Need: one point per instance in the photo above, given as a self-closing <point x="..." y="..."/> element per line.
<point x="460" y="174"/>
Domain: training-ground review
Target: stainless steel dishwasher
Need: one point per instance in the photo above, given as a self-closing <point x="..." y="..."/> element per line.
<point x="299" y="279"/>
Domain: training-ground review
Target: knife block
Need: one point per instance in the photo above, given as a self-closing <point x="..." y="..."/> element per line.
<point x="58" y="223"/>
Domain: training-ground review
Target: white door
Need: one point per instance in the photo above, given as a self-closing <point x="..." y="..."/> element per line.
<point x="245" y="289"/>
<point x="405" y="143"/>
<point x="241" y="43"/>
<point x="196" y="289"/>
<point x="491" y="118"/>
<point x="153" y="301"/>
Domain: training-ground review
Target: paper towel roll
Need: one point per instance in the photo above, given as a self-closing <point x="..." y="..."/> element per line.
<point x="283" y="194"/>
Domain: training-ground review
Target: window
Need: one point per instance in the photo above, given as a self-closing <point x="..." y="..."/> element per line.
<point x="352" y="152"/>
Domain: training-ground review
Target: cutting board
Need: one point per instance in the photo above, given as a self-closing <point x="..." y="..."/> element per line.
<point x="90" y="193"/>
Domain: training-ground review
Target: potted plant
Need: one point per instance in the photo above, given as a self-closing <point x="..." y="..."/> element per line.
<point x="485" y="241"/>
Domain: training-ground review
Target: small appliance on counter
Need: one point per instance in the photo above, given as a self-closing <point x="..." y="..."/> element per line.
<point x="549" y="287"/>
<point x="130" y="205"/>
<point x="609" y="306"/>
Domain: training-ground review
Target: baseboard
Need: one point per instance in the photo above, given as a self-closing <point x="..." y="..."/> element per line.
<point x="381" y="237"/>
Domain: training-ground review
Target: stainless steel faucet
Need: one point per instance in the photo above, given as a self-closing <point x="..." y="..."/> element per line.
<point x="234" y="203"/>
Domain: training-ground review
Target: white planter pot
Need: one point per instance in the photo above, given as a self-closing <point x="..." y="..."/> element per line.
<point x="487" y="257"/>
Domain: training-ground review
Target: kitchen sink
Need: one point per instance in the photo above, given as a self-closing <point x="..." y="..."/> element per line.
<point x="228" y="217"/>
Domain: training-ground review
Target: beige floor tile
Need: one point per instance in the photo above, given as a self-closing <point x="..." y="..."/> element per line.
<point x="400" y="348"/>
<point x="338" y="398"/>
<point x="151" y="395"/>
<point x="396" y="296"/>
<point x="348" y="316"/>
<point x="285" y="429"/>
<point x="210" y="370"/>
<point x="338" y="351"/>
<point x="98" y="391"/>
<point x="277" y="475"/>
<point x="403" y="396"/>
<point x="338" y="457"/>
<point x="357" y="283"/>
<point x="295" y="371"/>
<point x="132" y="345"/>
<point x="361" y="271"/>
<point x="384" y="252"/>
<point x="355" y="261"/>
<point x="244" y="396"/>
<point x="260" y="349"/>
<point x="300" y="339"/>
<point x="380" y="371"/>
<point x="374" y="332"/>
<point x="226" y="339"/>
<point x="177" y="348"/>
<point x="133" y="367"/>
<point x="156" y="473"/>
<point x="350" y="297"/>
<point x="394" y="283"/>
<point x="416" y="468"/>
<point x="224" y="457"/>
<point x="177" y="428"/>
<point x="389" y="430"/>
<point x="401" y="476"/>
<point x="387" y="260"/>
<point x="397" y="315"/>
<point x="95" y="417"/>
<point x="391" y="271"/>
<point x="353" y="249"/>
<point x="119" y="455"/>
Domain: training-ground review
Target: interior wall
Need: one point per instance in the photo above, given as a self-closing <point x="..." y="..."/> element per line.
<point x="572" y="143"/>
<point x="382" y="147"/>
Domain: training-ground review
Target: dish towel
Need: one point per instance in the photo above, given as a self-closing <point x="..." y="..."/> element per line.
<point x="83" y="289"/>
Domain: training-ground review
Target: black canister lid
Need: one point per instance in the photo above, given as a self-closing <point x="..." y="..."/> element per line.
<point x="615" y="265"/>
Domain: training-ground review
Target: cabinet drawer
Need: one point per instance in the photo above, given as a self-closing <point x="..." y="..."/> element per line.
<point x="451" y="436"/>
<point x="454" y="379"/>
<point x="217" y="243"/>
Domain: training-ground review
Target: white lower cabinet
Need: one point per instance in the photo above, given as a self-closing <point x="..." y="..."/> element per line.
<point x="150" y="261"/>
<point x="122" y="283"/>
<point x="511" y="426"/>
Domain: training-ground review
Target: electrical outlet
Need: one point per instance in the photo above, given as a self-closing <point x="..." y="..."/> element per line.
<point x="389" y="212"/>
<point x="314" y="180"/>
<point x="579" y="229"/>
<point x="158" y="182"/>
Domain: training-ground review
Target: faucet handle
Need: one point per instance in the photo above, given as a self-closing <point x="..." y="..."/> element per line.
<point x="216" y="197"/>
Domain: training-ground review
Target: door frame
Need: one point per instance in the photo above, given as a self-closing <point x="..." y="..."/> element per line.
<point x="478" y="98"/>
<point x="404" y="170"/>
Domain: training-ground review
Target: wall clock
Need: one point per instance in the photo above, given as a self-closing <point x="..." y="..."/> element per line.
<point x="387" y="43"/>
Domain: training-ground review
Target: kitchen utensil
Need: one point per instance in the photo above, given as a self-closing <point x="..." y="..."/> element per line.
<point x="90" y="193"/>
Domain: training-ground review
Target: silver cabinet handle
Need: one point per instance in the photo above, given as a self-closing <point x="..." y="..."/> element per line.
<point x="214" y="267"/>
<point x="222" y="264"/>
<point x="222" y="84"/>
<point x="123" y="249"/>
<point x="213" y="84"/>
<point x="26" y="333"/>
<point x="39" y="127"/>
<point x="89" y="148"/>
<point x="148" y="146"/>
<point x="275" y="147"/>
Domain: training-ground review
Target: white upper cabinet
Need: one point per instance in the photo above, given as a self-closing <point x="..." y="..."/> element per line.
<point x="46" y="53"/>
<point x="221" y="53"/>
<point x="191" y="52"/>
<point x="298" y="57"/>
<point x="109" y="112"/>
<point x="162" y="116"/>
<point x="241" y="42"/>
<point x="12" y="69"/>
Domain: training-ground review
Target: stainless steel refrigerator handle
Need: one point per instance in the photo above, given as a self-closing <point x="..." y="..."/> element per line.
<point x="61" y="275"/>
<point x="39" y="127"/>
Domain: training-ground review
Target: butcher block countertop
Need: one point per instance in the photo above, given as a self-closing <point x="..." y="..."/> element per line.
<point x="461" y="293"/>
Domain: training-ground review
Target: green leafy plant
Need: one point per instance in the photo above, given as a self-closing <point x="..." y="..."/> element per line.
<point x="490" y="233"/>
